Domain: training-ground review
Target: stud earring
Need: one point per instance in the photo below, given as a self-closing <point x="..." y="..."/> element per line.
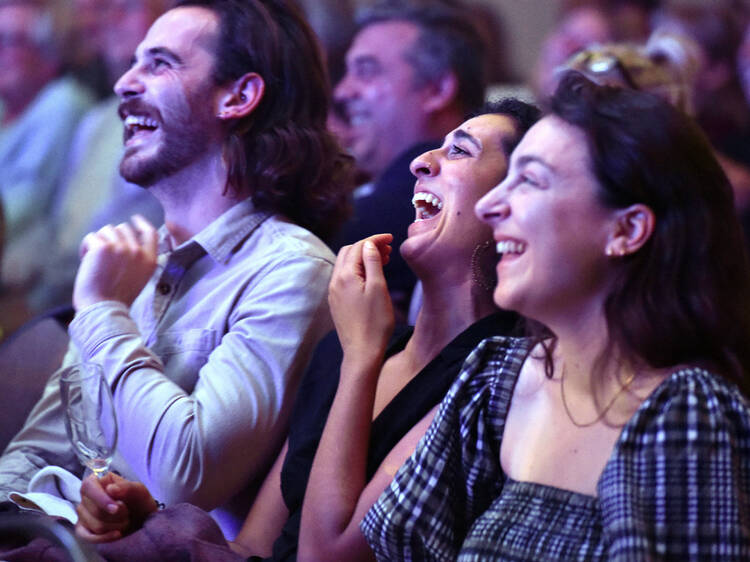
<point x="242" y="97"/>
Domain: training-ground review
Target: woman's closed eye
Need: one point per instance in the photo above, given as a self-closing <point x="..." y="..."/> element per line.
<point x="455" y="150"/>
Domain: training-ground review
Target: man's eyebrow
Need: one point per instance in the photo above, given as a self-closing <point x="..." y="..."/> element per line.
<point x="461" y="134"/>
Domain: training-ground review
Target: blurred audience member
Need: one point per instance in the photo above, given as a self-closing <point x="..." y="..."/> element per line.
<point x="333" y="23"/>
<point x="653" y="68"/>
<point x="40" y="110"/>
<point x="412" y="74"/>
<point x="738" y="147"/>
<point x="83" y="54"/>
<point x="93" y="193"/>
<point x="720" y="106"/>
<point x="630" y="20"/>
<point x="743" y="63"/>
<point x="579" y="27"/>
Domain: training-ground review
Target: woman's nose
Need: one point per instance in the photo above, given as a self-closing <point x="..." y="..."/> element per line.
<point x="424" y="165"/>
<point x="493" y="205"/>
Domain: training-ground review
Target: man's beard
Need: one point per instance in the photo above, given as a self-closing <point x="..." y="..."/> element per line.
<point x="184" y="139"/>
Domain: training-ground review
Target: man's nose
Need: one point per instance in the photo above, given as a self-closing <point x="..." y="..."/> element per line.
<point x="129" y="84"/>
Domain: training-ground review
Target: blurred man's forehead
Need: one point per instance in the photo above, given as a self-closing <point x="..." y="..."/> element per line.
<point x="390" y="38"/>
<point x="183" y="27"/>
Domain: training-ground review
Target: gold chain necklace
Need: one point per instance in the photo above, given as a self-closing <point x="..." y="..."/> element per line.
<point x="603" y="413"/>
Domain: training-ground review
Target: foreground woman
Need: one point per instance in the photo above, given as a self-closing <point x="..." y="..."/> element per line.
<point x="621" y="429"/>
<point x="387" y="395"/>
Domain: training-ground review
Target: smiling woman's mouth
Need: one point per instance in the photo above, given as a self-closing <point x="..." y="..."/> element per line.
<point x="427" y="205"/>
<point x="508" y="247"/>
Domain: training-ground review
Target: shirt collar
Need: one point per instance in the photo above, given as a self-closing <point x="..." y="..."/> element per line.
<point x="221" y="237"/>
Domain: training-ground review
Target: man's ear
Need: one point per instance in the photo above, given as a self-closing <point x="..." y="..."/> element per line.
<point x="633" y="227"/>
<point x="442" y="93"/>
<point x="242" y="96"/>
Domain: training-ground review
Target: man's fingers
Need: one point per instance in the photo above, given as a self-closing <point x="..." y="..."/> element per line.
<point x="146" y="233"/>
<point x="128" y="234"/>
<point x="89" y="242"/>
<point x="111" y="234"/>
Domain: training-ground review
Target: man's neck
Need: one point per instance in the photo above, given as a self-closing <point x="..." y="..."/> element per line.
<point x="194" y="197"/>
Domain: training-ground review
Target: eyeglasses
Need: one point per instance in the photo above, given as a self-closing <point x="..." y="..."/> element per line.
<point x="600" y="64"/>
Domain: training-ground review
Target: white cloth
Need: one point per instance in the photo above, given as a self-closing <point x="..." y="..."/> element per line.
<point x="54" y="491"/>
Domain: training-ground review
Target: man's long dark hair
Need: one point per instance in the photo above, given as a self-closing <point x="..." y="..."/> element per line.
<point x="684" y="297"/>
<point x="281" y="153"/>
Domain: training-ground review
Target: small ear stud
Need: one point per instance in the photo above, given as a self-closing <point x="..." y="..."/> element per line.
<point x="611" y="252"/>
<point x="242" y="97"/>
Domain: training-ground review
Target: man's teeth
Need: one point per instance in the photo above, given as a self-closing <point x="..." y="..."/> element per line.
<point x="140" y="121"/>
<point x="426" y="204"/>
<point x="510" y="247"/>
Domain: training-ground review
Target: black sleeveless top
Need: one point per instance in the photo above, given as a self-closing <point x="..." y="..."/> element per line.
<point x="415" y="400"/>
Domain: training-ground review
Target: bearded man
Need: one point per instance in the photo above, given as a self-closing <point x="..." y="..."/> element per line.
<point x="204" y="326"/>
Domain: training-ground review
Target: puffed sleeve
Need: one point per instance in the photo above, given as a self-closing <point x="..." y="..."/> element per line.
<point x="677" y="484"/>
<point x="453" y="474"/>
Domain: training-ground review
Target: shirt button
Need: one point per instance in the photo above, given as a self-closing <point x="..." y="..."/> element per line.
<point x="163" y="288"/>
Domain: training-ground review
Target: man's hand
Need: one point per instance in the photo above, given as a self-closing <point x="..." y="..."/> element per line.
<point x="116" y="263"/>
<point x="111" y="507"/>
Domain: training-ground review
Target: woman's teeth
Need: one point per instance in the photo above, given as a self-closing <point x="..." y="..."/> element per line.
<point x="510" y="247"/>
<point x="426" y="204"/>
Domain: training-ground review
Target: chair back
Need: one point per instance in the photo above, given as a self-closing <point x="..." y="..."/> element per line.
<point x="27" y="359"/>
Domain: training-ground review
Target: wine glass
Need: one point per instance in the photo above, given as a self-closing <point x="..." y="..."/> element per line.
<point x="89" y="415"/>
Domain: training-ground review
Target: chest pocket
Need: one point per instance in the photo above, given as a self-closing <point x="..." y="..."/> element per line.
<point x="183" y="353"/>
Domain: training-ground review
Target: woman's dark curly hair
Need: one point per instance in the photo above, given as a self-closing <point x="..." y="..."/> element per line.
<point x="684" y="297"/>
<point x="281" y="153"/>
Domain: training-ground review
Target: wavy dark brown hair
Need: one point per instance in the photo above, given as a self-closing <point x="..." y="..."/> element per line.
<point x="684" y="297"/>
<point x="282" y="153"/>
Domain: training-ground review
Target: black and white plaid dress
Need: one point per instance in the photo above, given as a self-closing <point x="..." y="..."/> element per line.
<point x="676" y="487"/>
